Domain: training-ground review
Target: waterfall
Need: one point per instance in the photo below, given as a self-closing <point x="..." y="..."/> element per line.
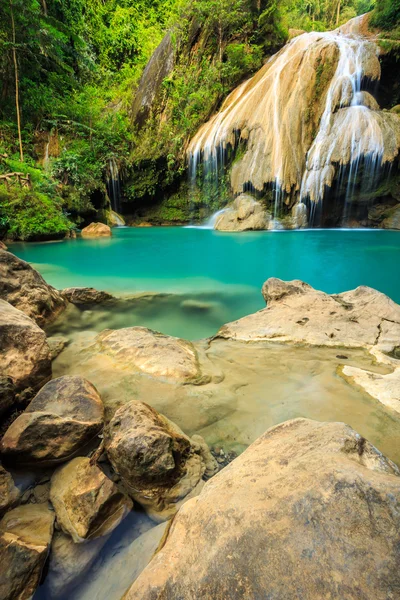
<point x="114" y="185"/>
<point x="306" y="123"/>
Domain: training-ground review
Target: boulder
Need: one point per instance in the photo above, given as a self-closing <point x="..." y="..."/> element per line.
<point x="244" y="214"/>
<point x="298" y="313"/>
<point x="25" y="289"/>
<point x="7" y="394"/>
<point x="310" y="510"/>
<point x="153" y="353"/>
<point x="159" y="465"/>
<point x="392" y="220"/>
<point x="9" y="493"/>
<point x="56" y="345"/>
<point x="63" y="418"/>
<point x="86" y="295"/>
<point x="24" y="352"/>
<point x="96" y="230"/>
<point x="87" y="504"/>
<point x="25" y="537"/>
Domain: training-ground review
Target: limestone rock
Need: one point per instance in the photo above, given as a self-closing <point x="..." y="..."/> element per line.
<point x="7" y="394"/>
<point x="310" y="510"/>
<point x="84" y="295"/>
<point x="56" y="345"/>
<point x="25" y="537"/>
<point x="297" y="313"/>
<point x="69" y="562"/>
<point x="3" y="245"/>
<point x="87" y="504"/>
<point x="243" y="214"/>
<point x="152" y="353"/>
<point x="392" y="220"/>
<point x="9" y="493"/>
<point x="25" y="288"/>
<point x="385" y="388"/>
<point x="63" y="417"/>
<point x="24" y="352"/>
<point x="159" y="465"/>
<point x="96" y="230"/>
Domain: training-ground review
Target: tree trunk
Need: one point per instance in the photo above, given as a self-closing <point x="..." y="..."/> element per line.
<point x="338" y="13"/>
<point x="14" y="54"/>
<point x="44" y="7"/>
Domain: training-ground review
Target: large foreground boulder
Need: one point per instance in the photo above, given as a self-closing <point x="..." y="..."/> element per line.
<point x="296" y="312"/>
<point x="25" y="288"/>
<point x="95" y="230"/>
<point x="87" y="503"/>
<point x="25" y="536"/>
<point x="24" y="352"/>
<point x="159" y="465"/>
<point x="310" y="510"/>
<point x="61" y="420"/>
<point x="244" y="214"/>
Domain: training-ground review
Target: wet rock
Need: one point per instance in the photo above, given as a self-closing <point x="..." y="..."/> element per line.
<point x="297" y="313"/>
<point x="87" y="504"/>
<point x="60" y="421"/>
<point x="86" y="295"/>
<point x="25" y="537"/>
<point x="392" y="220"/>
<point x="159" y="465"/>
<point x="385" y="388"/>
<point x="24" y="352"/>
<point x="69" y="562"/>
<point x="151" y="352"/>
<point x="243" y="214"/>
<point x="25" y="289"/>
<point x="96" y="230"/>
<point x="309" y="510"/>
<point x="7" y="394"/>
<point x="9" y="493"/>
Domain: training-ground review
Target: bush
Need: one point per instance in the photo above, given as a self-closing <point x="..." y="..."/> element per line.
<point x="30" y="215"/>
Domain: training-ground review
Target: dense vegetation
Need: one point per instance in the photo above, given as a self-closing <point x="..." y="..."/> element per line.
<point x="69" y="70"/>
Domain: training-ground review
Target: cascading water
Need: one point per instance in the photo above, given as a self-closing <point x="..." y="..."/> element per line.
<point x="114" y="185"/>
<point x="306" y="123"/>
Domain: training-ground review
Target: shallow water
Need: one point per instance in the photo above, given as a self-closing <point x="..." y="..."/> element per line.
<point x="222" y="271"/>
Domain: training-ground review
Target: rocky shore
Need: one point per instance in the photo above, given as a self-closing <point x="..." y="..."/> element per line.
<point x="100" y="433"/>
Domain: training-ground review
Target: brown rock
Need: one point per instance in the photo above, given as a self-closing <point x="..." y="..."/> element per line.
<point x="24" y="352"/>
<point x="25" y="288"/>
<point x="82" y="295"/>
<point x="9" y="493"/>
<point x="60" y="421"/>
<point x="244" y="214"/>
<point x="2" y="246"/>
<point x="159" y="465"/>
<point x="87" y="504"/>
<point x="25" y="537"/>
<point x="96" y="230"/>
<point x="392" y="220"/>
<point x="7" y="394"/>
<point x="310" y="510"/>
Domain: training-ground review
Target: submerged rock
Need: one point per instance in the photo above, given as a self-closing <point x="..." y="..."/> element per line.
<point x="96" y="230"/>
<point x="244" y="214"/>
<point x="160" y="466"/>
<point x="86" y="295"/>
<point x="298" y="313"/>
<point x="25" y="289"/>
<point x="25" y="537"/>
<point x="24" y="352"/>
<point x="87" y="504"/>
<point x="309" y="510"/>
<point x="61" y="420"/>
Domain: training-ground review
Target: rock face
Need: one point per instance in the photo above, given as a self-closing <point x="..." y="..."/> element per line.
<point x="159" y="465"/>
<point x="24" y="288"/>
<point x="297" y="313"/>
<point x="152" y="353"/>
<point x="9" y="493"/>
<point x="25" y="536"/>
<point x="24" y="352"/>
<point x="63" y="417"/>
<point x="82" y="295"/>
<point x="310" y="510"/>
<point x="96" y="230"/>
<point x="243" y="214"/>
<point x="87" y="503"/>
<point x="392" y="220"/>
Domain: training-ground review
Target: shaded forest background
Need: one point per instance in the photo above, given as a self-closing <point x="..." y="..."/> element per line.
<point x="69" y="73"/>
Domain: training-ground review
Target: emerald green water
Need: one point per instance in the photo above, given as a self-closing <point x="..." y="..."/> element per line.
<point x="218" y="276"/>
